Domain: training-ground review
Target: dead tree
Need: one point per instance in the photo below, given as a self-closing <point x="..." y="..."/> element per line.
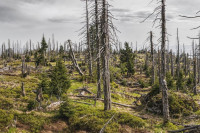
<point x="98" y="50"/>
<point x="23" y="66"/>
<point x="163" y="72"/>
<point x="160" y="10"/>
<point x="152" y="58"/>
<point x="74" y="59"/>
<point x="159" y="69"/>
<point x="168" y="58"/>
<point x="194" y="69"/>
<point x="106" y="56"/>
<point x="88" y="39"/>
<point x="39" y="97"/>
<point x="172" y="63"/>
<point x="178" y="59"/>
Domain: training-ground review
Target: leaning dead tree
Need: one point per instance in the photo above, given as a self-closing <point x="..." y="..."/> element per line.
<point x="74" y="59"/>
<point x="160" y="11"/>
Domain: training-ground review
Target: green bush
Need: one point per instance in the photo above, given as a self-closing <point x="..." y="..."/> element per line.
<point x="179" y="104"/>
<point x="31" y="105"/>
<point x="170" y="81"/>
<point x="143" y="84"/>
<point x="6" y="119"/>
<point x="66" y="110"/>
<point x="130" y="120"/>
<point x="34" y="121"/>
<point x="6" y="103"/>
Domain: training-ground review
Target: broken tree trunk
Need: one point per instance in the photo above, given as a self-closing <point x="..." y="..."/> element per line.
<point x="23" y="90"/>
<point x="23" y="65"/>
<point x="74" y="59"/>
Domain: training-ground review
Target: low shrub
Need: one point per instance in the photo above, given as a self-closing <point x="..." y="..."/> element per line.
<point x="89" y="119"/>
<point x="6" y="118"/>
<point x="34" y="121"/>
<point x="179" y="104"/>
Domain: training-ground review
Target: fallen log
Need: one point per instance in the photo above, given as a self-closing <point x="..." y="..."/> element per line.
<point x="102" y="130"/>
<point x="84" y="89"/>
<point x="186" y="129"/>
<point x="83" y="103"/>
<point x="100" y="99"/>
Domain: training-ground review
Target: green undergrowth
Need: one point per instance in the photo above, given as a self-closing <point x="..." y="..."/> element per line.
<point x="180" y="105"/>
<point x="34" y="121"/>
<point x="92" y="119"/>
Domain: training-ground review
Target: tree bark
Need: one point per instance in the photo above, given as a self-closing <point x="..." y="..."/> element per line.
<point x="88" y="40"/>
<point x="172" y="64"/>
<point x="178" y="59"/>
<point x="152" y="58"/>
<point x="166" y="117"/>
<point x="194" y="69"/>
<point x="98" y="51"/>
<point x="106" y="57"/>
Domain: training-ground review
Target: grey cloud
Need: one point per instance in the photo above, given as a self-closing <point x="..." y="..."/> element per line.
<point x="9" y="14"/>
<point x="61" y="20"/>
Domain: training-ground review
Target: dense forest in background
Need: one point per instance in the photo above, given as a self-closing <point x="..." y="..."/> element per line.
<point x="100" y="84"/>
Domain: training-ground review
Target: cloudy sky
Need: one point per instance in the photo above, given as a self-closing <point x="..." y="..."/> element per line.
<point x="29" y="19"/>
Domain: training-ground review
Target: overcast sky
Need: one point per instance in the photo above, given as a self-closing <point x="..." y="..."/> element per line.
<point x="29" y="19"/>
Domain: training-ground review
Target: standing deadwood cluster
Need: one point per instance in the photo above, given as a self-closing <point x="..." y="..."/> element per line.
<point x="160" y="11"/>
<point x="100" y="35"/>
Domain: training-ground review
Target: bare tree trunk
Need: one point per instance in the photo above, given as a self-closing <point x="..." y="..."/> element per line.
<point x="172" y="64"/>
<point x="74" y="59"/>
<point x="23" y="65"/>
<point x="98" y="51"/>
<point x="159" y="70"/>
<point x="168" y="60"/>
<point x="198" y="68"/>
<point x="194" y="69"/>
<point x="152" y="58"/>
<point x="188" y="65"/>
<point x="88" y="40"/>
<point x="178" y="59"/>
<point x="106" y="57"/>
<point x="163" y="71"/>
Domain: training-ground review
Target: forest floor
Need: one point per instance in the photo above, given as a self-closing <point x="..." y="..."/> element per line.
<point x="126" y="92"/>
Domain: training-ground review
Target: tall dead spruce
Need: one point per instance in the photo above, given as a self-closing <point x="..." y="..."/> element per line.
<point x="98" y="49"/>
<point x="106" y="57"/>
<point x="160" y="11"/>
<point x="86" y="34"/>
